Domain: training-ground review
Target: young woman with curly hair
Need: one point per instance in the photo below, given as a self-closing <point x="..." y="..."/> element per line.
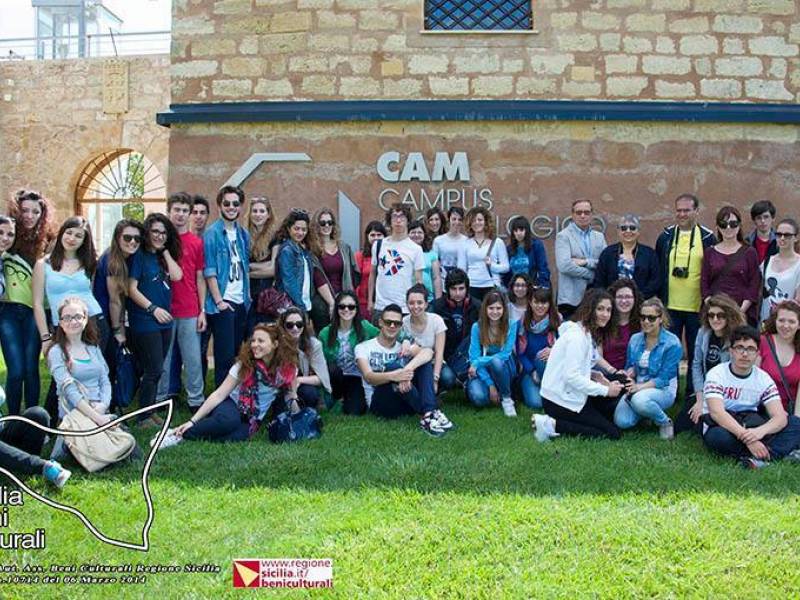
<point x="483" y="254"/>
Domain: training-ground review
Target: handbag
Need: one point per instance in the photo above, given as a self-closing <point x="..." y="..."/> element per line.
<point x="320" y="311"/>
<point x="783" y="376"/>
<point x="272" y="302"/>
<point x="97" y="451"/>
<point x="292" y="427"/>
<point x="126" y="380"/>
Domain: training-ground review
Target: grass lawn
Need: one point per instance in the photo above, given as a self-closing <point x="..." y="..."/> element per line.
<point x="484" y="512"/>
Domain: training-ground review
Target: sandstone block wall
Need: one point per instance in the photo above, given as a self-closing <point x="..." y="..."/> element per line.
<point x="52" y="122"/>
<point x="715" y="50"/>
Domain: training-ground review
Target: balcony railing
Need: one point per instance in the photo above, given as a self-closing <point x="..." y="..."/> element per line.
<point x="94" y="45"/>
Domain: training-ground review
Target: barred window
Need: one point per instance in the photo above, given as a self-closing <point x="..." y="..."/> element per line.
<point x="478" y="15"/>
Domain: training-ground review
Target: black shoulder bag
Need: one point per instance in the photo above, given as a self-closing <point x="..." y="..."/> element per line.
<point x="783" y="376"/>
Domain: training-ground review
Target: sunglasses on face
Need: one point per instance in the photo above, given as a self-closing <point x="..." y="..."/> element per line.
<point x="231" y="203"/>
<point x="293" y="325"/>
<point x="628" y="228"/>
<point x="325" y="223"/>
<point x="347" y="307"/>
<point x="650" y="318"/>
<point x="716" y="316"/>
<point x="391" y="323"/>
<point x="728" y="224"/>
<point x="783" y="234"/>
<point x="132" y="238"/>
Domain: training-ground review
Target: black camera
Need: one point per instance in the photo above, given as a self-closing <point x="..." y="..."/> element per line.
<point x="680" y="272"/>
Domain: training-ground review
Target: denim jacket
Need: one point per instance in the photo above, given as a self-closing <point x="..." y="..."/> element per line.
<point x="664" y="357"/>
<point x="218" y="260"/>
<point x="290" y="272"/>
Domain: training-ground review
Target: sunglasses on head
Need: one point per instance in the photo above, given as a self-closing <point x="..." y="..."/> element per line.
<point x="231" y="203"/>
<point x="293" y="325"/>
<point x="132" y="238"/>
<point x="299" y="212"/>
<point x="732" y="224"/>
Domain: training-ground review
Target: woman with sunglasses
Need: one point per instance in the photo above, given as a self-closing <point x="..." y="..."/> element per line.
<point x="537" y="333"/>
<point x="730" y="266"/>
<point x="719" y="317"/>
<point x="526" y="255"/>
<point x="779" y="352"/>
<point x="66" y="271"/>
<point x="782" y="270"/>
<point x="265" y="369"/>
<point x="339" y="341"/>
<point x="652" y="366"/>
<point x="152" y="269"/>
<point x="336" y="268"/>
<point x="313" y="368"/>
<point x="374" y="231"/>
<point x="78" y="368"/>
<point x="18" y="332"/>
<point x="628" y="259"/>
<point x="431" y="273"/>
<point x="491" y="355"/>
<point x="263" y="251"/>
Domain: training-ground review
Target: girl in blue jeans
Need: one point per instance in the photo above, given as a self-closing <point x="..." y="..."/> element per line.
<point x="652" y="365"/>
<point x="491" y="358"/>
<point x="537" y="333"/>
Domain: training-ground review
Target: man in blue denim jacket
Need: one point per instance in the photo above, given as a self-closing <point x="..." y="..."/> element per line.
<point x="227" y="251"/>
<point x="652" y="365"/>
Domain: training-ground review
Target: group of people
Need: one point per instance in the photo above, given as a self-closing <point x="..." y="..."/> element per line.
<point x="424" y="306"/>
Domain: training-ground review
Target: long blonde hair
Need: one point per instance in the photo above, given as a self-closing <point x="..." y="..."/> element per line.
<point x="259" y="240"/>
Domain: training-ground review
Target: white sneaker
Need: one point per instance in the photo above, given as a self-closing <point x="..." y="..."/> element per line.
<point x="544" y="427"/>
<point x="441" y="419"/>
<point x="666" y="431"/>
<point x="508" y="407"/>
<point x="170" y="439"/>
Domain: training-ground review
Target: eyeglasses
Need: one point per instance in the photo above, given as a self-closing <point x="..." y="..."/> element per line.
<point x="745" y="349"/>
<point x="391" y="323"/>
<point x="628" y="228"/>
<point x="72" y="318"/>
<point x="400" y="215"/>
<point x="649" y="318"/>
<point x="581" y="213"/>
<point x="783" y="234"/>
<point x="326" y="223"/>
<point x="521" y="284"/>
<point x="733" y="224"/>
<point x="133" y="238"/>
<point x="720" y="316"/>
<point x="347" y="307"/>
<point x="159" y="232"/>
<point x="293" y="325"/>
<point x="231" y="203"/>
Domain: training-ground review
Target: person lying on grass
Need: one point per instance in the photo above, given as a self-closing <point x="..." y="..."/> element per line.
<point x="735" y="397"/>
<point x="266" y="367"/>
<point x="398" y="378"/>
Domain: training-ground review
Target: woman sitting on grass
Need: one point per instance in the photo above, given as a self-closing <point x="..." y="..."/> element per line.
<point x="519" y="292"/>
<point x="427" y="330"/>
<point x="538" y="331"/>
<point x="624" y="323"/>
<point x="576" y="400"/>
<point x="491" y="355"/>
<point x="780" y="352"/>
<point x="266" y="367"/>
<point x="339" y="340"/>
<point x="78" y="367"/>
<point x="313" y="368"/>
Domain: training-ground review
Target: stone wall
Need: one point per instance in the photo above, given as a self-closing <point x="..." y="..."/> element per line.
<point x="717" y="50"/>
<point x="52" y="122"/>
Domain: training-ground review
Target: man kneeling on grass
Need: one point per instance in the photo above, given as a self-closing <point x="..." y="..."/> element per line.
<point x="396" y="382"/>
<point x="735" y="397"/>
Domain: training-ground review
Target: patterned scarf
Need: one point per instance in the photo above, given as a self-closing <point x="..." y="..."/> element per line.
<point x="535" y="328"/>
<point x="282" y="378"/>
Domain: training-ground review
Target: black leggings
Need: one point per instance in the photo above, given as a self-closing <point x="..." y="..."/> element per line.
<point x="350" y="388"/>
<point x="596" y="419"/>
<point x="150" y="350"/>
<point x="21" y="444"/>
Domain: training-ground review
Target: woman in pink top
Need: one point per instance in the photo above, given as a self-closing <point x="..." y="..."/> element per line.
<point x="375" y="230"/>
<point x="781" y="341"/>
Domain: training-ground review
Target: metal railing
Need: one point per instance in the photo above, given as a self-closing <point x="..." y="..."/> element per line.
<point x="95" y="45"/>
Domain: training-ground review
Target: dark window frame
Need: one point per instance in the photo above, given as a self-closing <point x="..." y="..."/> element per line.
<point x="475" y="16"/>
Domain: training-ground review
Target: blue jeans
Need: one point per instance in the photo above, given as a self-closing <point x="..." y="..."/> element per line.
<point x="390" y="404"/>
<point x="176" y="364"/>
<point x="722" y="441"/>
<point x="531" y="394"/>
<point x="645" y="404"/>
<point x="19" y="339"/>
<point x="501" y="373"/>
<point x="228" y="329"/>
<point x="447" y="378"/>
<point x="186" y="338"/>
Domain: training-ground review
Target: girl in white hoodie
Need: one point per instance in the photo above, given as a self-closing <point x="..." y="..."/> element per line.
<point x="574" y="398"/>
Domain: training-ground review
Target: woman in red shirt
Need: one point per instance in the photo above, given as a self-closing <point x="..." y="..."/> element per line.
<point x="780" y="351"/>
<point x="375" y="230"/>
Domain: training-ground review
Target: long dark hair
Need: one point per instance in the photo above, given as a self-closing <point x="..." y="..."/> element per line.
<point x="335" y="321"/>
<point x="117" y="261"/>
<point x="542" y="295"/>
<point x="492" y="297"/>
<point x="295" y="215"/>
<point x="305" y="338"/>
<point x="513" y="244"/>
<point x="366" y="249"/>
<point x="85" y="254"/>
<point x="31" y="244"/>
<point x="173" y="241"/>
<point x="90" y="335"/>
<point x="512" y="298"/>
<point x="722" y="215"/>
<point x="585" y="314"/>
<point x="634" y="323"/>
<point x="444" y="222"/>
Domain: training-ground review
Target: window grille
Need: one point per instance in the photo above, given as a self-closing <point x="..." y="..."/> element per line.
<point x="478" y="15"/>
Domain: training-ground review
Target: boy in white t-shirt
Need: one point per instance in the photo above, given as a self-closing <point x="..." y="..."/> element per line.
<point x="397" y="263"/>
<point x="733" y="394"/>
<point x="395" y="385"/>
